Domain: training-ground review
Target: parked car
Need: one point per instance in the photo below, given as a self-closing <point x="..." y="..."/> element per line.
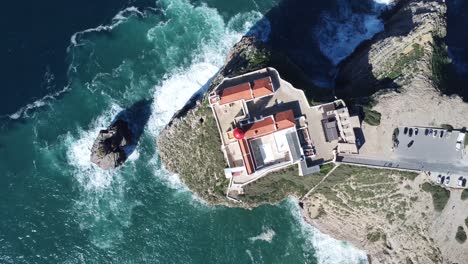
<point x="426" y="131"/>
<point x="405" y="131"/>
<point x="439" y="179"/>
<point x="441" y="134"/>
<point x="460" y="181"/>
<point x="447" y="180"/>
<point x="435" y="133"/>
<point x="430" y="131"/>
<point x="416" y="131"/>
<point x="410" y="143"/>
<point x="442" y="180"/>
<point x="464" y="182"/>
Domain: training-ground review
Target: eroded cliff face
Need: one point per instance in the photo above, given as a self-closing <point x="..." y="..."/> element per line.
<point x="399" y="53"/>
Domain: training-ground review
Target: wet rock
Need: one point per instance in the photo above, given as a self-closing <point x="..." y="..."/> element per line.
<point x="108" y="151"/>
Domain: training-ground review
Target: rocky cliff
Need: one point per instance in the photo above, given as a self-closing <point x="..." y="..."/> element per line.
<point x="395" y="74"/>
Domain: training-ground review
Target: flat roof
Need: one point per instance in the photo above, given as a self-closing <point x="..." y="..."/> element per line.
<point x="236" y="93"/>
<point x="330" y="129"/>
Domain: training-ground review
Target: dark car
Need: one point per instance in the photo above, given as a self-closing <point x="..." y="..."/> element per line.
<point x="442" y="180"/>
<point x="464" y="182"/>
<point x="410" y="143"/>
<point x="410" y="133"/>
<point x="426" y="132"/>
<point x="441" y="134"/>
<point x="416" y="131"/>
<point x="405" y="131"/>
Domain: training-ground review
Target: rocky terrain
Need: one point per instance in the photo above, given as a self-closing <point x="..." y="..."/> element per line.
<point x="396" y="217"/>
<point x="398" y="76"/>
<point x="108" y="151"/>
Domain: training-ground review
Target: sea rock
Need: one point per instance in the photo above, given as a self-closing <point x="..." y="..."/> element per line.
<point x="108" y="151"/>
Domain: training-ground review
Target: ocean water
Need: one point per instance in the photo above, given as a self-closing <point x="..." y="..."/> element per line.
<point x="57" y="207"/>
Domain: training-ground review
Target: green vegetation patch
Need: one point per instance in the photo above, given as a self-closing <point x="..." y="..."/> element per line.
<point x="447" y="127"/>
<point x="464" y="194"/>
<point x="440" y="196"/>
<point x="375" y="236"/>
<point x="442" y="67"/>
<point x="278" y="185"/>
<point x="371" y="117"/>
<point x="460" y="236"/>
<point x="404" y="60"/>
<point x="357" y="186"/>
<point x="326" y="168"/>
<point x="196" y="156"/>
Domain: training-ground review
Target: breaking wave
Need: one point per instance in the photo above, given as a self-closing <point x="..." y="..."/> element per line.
<point x="267" y="235"/>
<point x="342" y="30"/>
<point x="327" y="249"/>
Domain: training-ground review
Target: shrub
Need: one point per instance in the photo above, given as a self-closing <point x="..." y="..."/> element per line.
<point x="464" y="194"/>
<point x="447" y="127"/>
<point x="440" y="196"/>
<point x="371" y="117"/>
<point x="460" y="236"/>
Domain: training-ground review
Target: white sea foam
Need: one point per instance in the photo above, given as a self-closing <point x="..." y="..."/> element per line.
<point x="181" y="84"/>
<point x="327" y="249"/>
<point x="385" y="2"/>
<point x="119" y="18"/>
<point x="23" y="112"/>
<point x="341" y="32"/>
<point x="267" y="235"/>
<point x="90" y="176"/>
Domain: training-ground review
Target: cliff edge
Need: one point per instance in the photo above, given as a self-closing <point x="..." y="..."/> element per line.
<point x="397" y="217"/>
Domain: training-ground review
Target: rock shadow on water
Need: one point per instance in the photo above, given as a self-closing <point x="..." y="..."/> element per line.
<point x="115" y="144"/>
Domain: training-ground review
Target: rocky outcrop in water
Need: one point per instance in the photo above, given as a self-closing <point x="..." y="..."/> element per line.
<point x="108" y="151"/>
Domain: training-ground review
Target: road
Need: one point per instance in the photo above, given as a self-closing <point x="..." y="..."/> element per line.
<point x="405" y="164"/>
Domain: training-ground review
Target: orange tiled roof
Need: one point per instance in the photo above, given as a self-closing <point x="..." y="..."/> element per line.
<point x="246" y="156"/>
<point x="235" y="93"/>
<point x="261" y="128"/>
<point x="285" y="119"/>
<point x="262" y="87"/>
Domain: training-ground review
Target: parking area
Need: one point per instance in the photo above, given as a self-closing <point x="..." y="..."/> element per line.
<point x="449" y="180"/>
<point x="428" y="144"/>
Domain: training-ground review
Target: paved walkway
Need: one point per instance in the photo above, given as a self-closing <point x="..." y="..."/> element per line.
<point x="315" y="187"/>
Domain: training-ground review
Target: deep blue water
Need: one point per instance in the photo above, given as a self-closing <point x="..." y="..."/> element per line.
<point x="57" y="207"/>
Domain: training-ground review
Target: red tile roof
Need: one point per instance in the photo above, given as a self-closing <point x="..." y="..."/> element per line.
<point x="262" y="87"/>
<point x="246" y="156"/>
<point x="285" y="119"/>
<point x="235" y="93"/>
<point x="261" y="128"/>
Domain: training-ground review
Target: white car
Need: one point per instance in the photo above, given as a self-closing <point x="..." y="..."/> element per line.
<point x="460" y="181"/>
<point x="447" y="180"/>
<point x="439" y="179"/>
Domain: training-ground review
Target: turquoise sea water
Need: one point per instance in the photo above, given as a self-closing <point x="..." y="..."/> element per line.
<point x="57" y="207"/>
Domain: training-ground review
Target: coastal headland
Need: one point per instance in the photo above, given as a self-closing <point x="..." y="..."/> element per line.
<point x="390" y="200"/>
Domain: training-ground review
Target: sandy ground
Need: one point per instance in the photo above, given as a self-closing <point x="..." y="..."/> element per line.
<point x="418" y="105"/>
<point x="422" y="235"/>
